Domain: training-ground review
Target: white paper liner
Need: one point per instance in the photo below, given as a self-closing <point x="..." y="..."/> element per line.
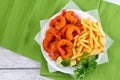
<point x="93" y="14"/>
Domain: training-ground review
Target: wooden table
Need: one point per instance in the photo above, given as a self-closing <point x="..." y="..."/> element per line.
<point x="17" y="67"/>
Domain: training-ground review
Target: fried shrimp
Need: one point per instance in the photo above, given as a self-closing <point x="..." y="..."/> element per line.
<point x="64" y="47"/>
<point x="51" y="35"/>
<point x="63" y="31"/>
<point x="52" y="46"/>
<point x="79" y="25"/>
<point x="54" y="53"/>
<point x="54" y="32"/>
<point x="58" y="22"/>
<point x="71" y="17"/>
<point x="72" y="31"/>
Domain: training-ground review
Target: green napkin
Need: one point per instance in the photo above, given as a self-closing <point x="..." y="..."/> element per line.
<point x="19" y="23"/>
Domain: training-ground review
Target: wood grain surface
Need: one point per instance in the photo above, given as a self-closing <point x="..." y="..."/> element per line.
<point x="16" y="67"/>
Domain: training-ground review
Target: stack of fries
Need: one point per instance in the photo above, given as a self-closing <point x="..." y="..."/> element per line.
<point x="91" y="40"/>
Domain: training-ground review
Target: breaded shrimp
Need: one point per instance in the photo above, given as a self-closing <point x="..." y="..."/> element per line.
<point x="58" y="22"/>
<point x="51" y="35"/>
<point x="71" y="17"/>
<point x="72" y="31"/>
<point x="64" y="47"/>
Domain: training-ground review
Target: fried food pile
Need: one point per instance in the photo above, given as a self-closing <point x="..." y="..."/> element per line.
<point x="69" y="37"/>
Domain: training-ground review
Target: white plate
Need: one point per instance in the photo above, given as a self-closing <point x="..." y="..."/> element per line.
<point x="52" y="63"/>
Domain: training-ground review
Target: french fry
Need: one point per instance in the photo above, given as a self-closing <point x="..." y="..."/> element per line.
<point x="74" y="51"/>
<point x="85" y="41"/>
<point x="80" y="49"/>
<point x="101" y="41"/>
<point x="83" y="35"/>
<point x="93" y="52"/>
<point x="94" y="28"/>
<point x="97" y="52"/>
<point x="95" y="40"/>
<point x="91" y="39"/>
<point x="76" y="37"/>
<point x="85" y="45"/>
<point x="85" y="30"/>
<point x="77" y="55"/>
<point x="75" y="42"/>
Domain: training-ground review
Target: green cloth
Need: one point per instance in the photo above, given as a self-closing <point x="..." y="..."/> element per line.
<point x="19" y="23"/>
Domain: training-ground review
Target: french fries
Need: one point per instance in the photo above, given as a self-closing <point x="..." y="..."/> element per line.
<point x="90" y="41"/>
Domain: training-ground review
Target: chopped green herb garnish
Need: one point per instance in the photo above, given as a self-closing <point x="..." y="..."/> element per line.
<point x="85" y="54"/>
<point x="86" y="66"/>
